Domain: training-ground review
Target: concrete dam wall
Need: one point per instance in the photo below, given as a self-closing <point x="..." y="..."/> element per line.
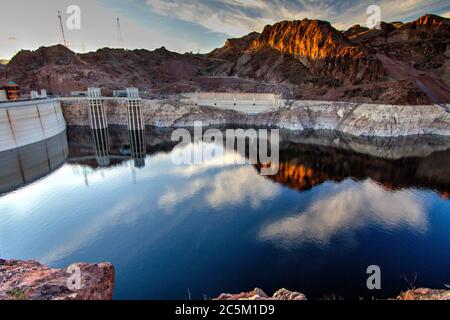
<point x="26" y="122"/>
<point x="248" y="103"/>
<point x="24" y="165"/>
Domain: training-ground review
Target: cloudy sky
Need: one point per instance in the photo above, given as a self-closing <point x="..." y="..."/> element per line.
<point x="181" y="25"/>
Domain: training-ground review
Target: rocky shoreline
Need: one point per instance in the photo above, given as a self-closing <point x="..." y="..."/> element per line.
<point x="372" y="120"/>
<point x="258" y="294"/>
<point x="284" y="294"/>
<point x="30" y="280"/>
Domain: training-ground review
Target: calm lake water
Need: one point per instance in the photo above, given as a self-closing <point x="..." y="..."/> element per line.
<point x="174" y="231"/>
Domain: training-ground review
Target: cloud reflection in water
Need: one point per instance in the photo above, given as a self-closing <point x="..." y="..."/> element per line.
<point x="351" y="207"/>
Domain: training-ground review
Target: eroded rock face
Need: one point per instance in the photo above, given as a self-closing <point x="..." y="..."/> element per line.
<point x="234" y="47"/>
<point x="258" y="294"/>
<point x="415" y="52"/>
<point x="29" y="280"/>
<point x="325" y="50"/>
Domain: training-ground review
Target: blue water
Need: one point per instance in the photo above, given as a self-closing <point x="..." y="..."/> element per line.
<point x="179" y="231"/>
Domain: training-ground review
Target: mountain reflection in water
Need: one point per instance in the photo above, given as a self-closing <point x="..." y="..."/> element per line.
<point x="337" y="205"/>
<point x="309" y="159"/>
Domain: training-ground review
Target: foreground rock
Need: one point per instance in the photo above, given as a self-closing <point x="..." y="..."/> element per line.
<point x="258" y="294"/>
<point x="283" y="294"/>
<point x="29" y="280"/>
<point x="425" y="294"/>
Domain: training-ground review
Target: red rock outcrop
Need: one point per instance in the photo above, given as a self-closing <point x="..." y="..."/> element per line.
<point x="400" y="63"/>
<point x="299" y="177"/>
<point x="238" y="58"/>
<point x="258" y="294"/>
<point x="29" y="280"/>
<point x="234" y="48"/>
<point x="355" y="30"/>
<point x="325" y="50"/>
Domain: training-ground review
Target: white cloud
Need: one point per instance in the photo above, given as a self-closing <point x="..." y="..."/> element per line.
<point x="238" y="186"/>
<point x="35" y="24"/>
<point x="235" y="17"/>
<point x="173" y="196"/>
<point x="239" y="17"/>
<point x="347" y="211"/>
<point x="210" y="17"/>
<point x="234" y="186"/>
<point x="227" y="158"/>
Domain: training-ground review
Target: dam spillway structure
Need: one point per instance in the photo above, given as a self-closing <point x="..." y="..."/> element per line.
<point x="249" y="103"/>
<point x="97" y="114"/>
<point x="101" y="146"/>
<point x="99" y="126"/>
<point x="134" y="110"/>
<point x="25" y="165"/>
<point x="136" y="127"/>
<point x="138" y="150"/>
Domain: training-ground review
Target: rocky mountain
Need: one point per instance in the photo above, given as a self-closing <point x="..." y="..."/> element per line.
<point x="324" y="50"/>
<point x="61" y="70"/>
<point x="235" y="47"/>
<point x="400" y="63"/>
<point x="417" y="52"/>
<point x="323" y="53"/>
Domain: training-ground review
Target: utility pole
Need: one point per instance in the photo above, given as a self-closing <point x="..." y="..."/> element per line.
<point x="62" y="30"/>
<point x="119" y="35"/>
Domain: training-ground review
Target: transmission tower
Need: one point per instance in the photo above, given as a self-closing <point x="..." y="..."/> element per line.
<point x="62" y="30"/>
<point x="119" y="34"/>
